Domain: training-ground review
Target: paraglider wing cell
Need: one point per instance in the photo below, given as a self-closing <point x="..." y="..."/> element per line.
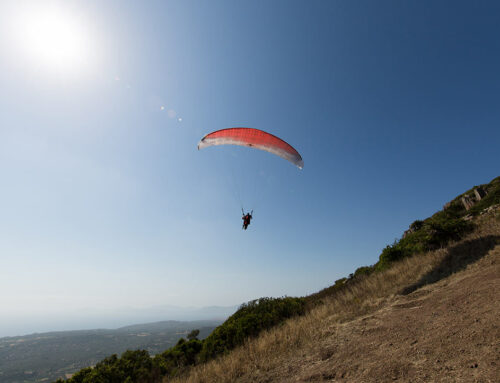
<point x="253" y="138"/>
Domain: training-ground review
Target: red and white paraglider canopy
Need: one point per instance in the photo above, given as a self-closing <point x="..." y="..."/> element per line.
<point x="253" y="138"/>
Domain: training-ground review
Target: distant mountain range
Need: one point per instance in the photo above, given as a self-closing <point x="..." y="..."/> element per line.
<point x="48" y="356"/>
<point x="90" y="318"/>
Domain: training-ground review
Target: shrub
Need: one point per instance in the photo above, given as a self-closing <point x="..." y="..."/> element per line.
<point x="133" y="366"/>
<point x="363" y="270"/>
<point x="441" y="232"/>
<point x="391" y="253"/>
<point x="416" y="225"/>
<point x="193" y="335"/>
<point x="178" y="358"/>
<point x="249" y="321"/>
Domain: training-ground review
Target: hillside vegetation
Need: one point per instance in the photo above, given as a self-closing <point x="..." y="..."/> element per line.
<point x="269" y="339"/>
<point x="447" y="329"/>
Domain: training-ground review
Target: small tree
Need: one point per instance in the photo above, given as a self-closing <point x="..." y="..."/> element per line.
<point x="193" y="335"/>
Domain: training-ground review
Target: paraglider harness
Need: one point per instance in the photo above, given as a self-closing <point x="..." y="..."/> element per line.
<point x="246" y="219"/>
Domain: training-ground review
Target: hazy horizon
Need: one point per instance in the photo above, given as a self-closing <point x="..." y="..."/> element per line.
<point x="88" y="319"/>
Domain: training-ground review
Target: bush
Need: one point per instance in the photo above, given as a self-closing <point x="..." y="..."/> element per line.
<point x="441" y="232"/>
<point x="434" y="232"/>
<point x="133" y="366"/>
<point x="363" y="270"/>
<point x="391" y="253"/>
<point x="178" y="358"/>
<point x="416" y="225"/>
<point x="249" y="321"/>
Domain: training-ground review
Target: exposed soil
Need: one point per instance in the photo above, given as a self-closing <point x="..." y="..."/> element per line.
<point x="448" y="331"/>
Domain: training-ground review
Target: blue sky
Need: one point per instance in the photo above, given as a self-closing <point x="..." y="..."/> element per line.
<point x="106" y="203"/>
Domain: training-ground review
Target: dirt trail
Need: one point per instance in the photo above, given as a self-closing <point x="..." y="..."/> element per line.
<point x="448" y="331"/>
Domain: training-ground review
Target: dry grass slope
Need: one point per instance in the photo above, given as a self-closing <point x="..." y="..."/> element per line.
<point x="371" y="331"/>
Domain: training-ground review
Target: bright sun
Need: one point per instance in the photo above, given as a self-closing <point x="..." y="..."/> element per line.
<point x="52" y="37"/>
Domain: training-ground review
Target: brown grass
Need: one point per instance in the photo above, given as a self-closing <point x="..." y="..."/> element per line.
<point x="300" y="334"/>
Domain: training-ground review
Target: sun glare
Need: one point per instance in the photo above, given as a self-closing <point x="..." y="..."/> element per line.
<point x="54" y="38"/>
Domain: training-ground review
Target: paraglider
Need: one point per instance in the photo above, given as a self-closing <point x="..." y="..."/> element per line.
<point x="253" y="138"/>
<point x="246" y="219"/>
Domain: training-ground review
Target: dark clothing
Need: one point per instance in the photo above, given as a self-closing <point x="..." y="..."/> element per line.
<point x="246" y="220"/>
